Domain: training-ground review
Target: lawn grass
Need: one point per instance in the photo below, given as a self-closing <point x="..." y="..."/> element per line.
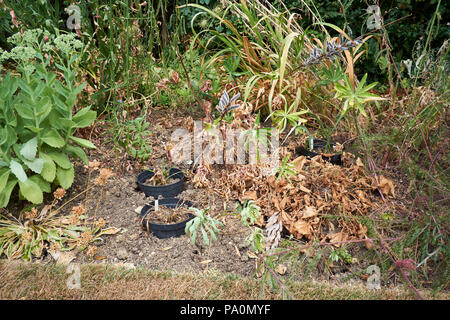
<point x="35" y="281"/>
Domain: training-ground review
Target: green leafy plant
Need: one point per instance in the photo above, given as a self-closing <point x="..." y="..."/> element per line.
<point x="340" y="254"/>
<point x="133" y="137"/>
<point x="355" y="97"/>
<point x="288" y="115"/>
<point x="257" y="136"/>
<point x="249" y="212"/>
<point x="203" y="223"/>
<point x="285" y="170"/>
<point x="37" y="131"/>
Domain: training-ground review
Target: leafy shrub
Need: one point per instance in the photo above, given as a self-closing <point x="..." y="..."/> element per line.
<point x="205" y="223"/>
<point x="36" y="131"/>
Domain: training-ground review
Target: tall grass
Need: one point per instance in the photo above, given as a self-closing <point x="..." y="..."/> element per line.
<point x="269" y="49"/>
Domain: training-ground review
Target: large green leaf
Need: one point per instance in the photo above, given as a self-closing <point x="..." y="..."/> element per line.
<point x="65" y="176"/>
<point x="29" y="149"/>
<point x="4" y="175"/>
<point x="18" y="171"/>
<point x="24" y="111"/>
<point x="61" y="159"/>
<point x="84" y="117"/>
<point x="49" y="169"/>
<point x="52" y="138"/>
<point x="6" y="193"/>
<point x="77" y="151"/>
<point x="44" y="185"/>
<point x="83" y="142"/>
<point x="36" y="165"/>
<point x="31" y="191"/>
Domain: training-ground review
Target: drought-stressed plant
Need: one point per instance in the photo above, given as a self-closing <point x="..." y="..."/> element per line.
<point x="34" y="230"/>
<point x="37" y="131"/>
<point x="205" y="223"/>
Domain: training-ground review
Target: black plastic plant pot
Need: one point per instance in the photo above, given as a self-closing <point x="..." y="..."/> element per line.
<point x="166" y="191"/>
<point x="164" y="231"/>
<point x="317" y="145"/>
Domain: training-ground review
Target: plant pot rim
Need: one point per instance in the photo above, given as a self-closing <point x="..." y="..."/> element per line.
<point x="334" y="158"/>
<point x="143" y="177"/>
<point x="167" y="190"/>
<point x="170" y="229"/>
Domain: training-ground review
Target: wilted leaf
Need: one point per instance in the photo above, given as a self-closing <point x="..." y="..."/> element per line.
<point x="309" y="212"/>
<point x="281" y="269"/>
<point x="386" y="186"/>
<point x="302" y="227"/>
<point x="175" y="77"/>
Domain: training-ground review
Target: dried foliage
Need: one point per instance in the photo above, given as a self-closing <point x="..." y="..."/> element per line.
<point x="323" y="201"/>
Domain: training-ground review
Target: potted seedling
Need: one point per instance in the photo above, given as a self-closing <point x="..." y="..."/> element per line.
<point x="161" y="182"/>
<point x="166" y="218"/>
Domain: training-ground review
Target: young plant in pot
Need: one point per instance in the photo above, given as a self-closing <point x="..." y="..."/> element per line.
<point x="166" y="218"/>
<point x="161" y="182"/>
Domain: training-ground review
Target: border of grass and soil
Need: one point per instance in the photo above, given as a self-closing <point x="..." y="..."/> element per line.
<point x="35" y="281"/>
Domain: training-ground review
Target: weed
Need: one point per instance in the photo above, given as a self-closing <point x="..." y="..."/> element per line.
<point x="205" y="223"/>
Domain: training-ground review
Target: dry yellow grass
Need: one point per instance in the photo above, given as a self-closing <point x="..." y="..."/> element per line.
<point x="20" y="280"/>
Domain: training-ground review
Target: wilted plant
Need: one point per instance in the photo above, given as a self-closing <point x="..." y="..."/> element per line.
<point x="332" y="50"/>
<point x="33" y="231"/>
<point x="205" y="223"/>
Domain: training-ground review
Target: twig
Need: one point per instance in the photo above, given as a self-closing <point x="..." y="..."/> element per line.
<point x="401" y="271"/>
<point x="189" y="81"/>
<point x="278" y="279"/>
